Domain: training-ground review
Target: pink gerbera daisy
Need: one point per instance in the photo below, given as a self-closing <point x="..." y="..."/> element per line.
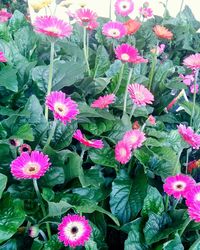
<point x="189" y="136"/>
<point x="4" y="16"/>
<point x="124" y="7"/>
<point x="30" y="166"/>
<point x="103" y="101"/>
<point x="126" y="52"/>
<point x="123" y="152"/>
<point x="192" y="61"/>
<point x="64" y="109"/>
<point x="74" y="230"/>
<point x="2" y="57"/>
<point x="194" y="212"/>
<point x="25" y="148"/>
<point x="146" y="12"/>
<point x="92" y="25"/>
<point x="187" y="79"/>
<point x="178" y="185"/>
<point x="52" y="26"/>
<point x="140" y="95"/>
<point x="114" y="29"/>
<point x="134" y="138"/>
<point x="88" y="143"/>
<point x="85" y="16"/>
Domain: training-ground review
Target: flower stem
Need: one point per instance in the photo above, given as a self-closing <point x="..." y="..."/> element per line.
<point x="186" y="223"/>
<point x="177" y="163"/>
<point x="85" y="49"/>
<point x="126" y="91"/>
<point x="50" y="75"/>
<point x="195" y="244"/>
<point x="42" y="205"/>
<point x="187" y="160"/>
<point x="120" y="79"/>
<point x="167" y="203"/>
<point x="151" y="74"/>
<point x="194" y="97"/>
<point x="52" y="131"/>
<point x="182" y="2"/>
<point x="132" y="111"/>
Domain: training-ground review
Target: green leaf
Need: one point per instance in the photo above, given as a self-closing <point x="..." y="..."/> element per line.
<point x="98" y="127"/>
<point x="127" y="196"/>
<point x="24" y="132"/>
<point x="91" y="245"/>
<point x="58" y="208"/>
<point x="9" y="245"/>
<point x="3" y="182"/>
<point x="37" y="244"/>
<point x="102" y="62"/>
<point x="153" y="202"/>
<point x="8" y="78"/>
<point x="174" y="244"/>
<point x="53" y="243"/>
<point x="11" y="217"/>
<point x="54" y="176"/>
<point x="17" y="21"/>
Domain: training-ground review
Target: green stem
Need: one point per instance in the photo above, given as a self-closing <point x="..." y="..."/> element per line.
<point x="120" y="79"/>
<point x="165" y="12"/>
<point x="167" y="203"/>
<point x="187" y="160"/>
<point x="43" y="235"/>
<point x="50" y="75"/>
<point x="126" y="91"/>
<point x="194" y="97"/>
<point x="85" y="49"/>
<point x="195" y="244"/>
<point x="186" y="223"/>
<point x="110" y="9"/>
<point x="132" y="111"/>
<point x="182" y="2"/>
<point x="143" y="126"/>
<point x="52" y="131"/>
<point x="151" y="74"/>
<point x="42" y="205"/>
<point x="177" y="163"/>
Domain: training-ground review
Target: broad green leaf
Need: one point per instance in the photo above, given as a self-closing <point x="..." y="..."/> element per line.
<point x="17" y="21"/>
<point x="98" y="127"/>
<point x="9" y="245"/>
<point x="114" y="68"/>
<point x="24" y="132"/>
<point x="48" y="194"/>
<point x="91" y="245"/>
<point x="37" y="244"/>
<point x="174" y="244"/>
<point x="102" y="62"/>
<point x="3" y="182"/>
<point x="8" y="78"/>
<point x="53" y="243"/>
<point x="58" y="208"/>
<point x="54" y="176"/>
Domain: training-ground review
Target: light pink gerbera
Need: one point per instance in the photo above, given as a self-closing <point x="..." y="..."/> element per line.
<point x="4" y="16"/>
<point x="74" y="230"/>
<point x="192" y="61"/>
<point x="2" y="57"/>
<point x="126" y="52"/>
<point x="146" y="12"/>
<point x="103" y="101"/>
<point x="151" y="119"/>
<point x="78" y="135"/>
<point x="25" y="148"/>
<point x="30" y="166"/>
<point x="187" y="79"/>
<point x="92" y="25"/>
<point x="64" y="109"/>
<point x="123" y="152"/>
<point x="140" y="95"/>
<point x="124" y="7"/>
<point x="196" y="88"/>
<point x="189" y="136"/>
<point x="114" y="29"/>
<point x="52" y="26"/>
<point x="178" y="185"/>
<point x="85" y="16"/>
<point x="134" y="138"/>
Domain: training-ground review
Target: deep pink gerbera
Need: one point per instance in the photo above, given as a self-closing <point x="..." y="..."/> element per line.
<point x="126" y="52"/>
<point x="194" y="212"/>
<point x="103" y="101"/>
<point x="74" y="230"/>
<point x="30" y="166"/>
<point x="123" y="152"/>
<point x="140" y="95"/>
<point x="92" y="25"/>
<point x="124" y="7"/>
<point x="2" y="57"/>
<point x="64" y="109"/>
<point x="4" y="16"/>
<point x="134" y="138"/>
<point x="193" y="197"/>
<point x="85" y="16"/>
<point x="78" y="135"/>
<point x="52" y="26"/>
<point x="114" y="29"/>
<point x="192" y="61"/>
<point x="178" y="185"/>
<point x="189" y="136"/>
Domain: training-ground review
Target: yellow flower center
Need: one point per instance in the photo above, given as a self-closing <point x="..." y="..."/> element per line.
<point x="179" y="185"/>
<point x="139" y="95"/>
<point x="61" y="109"/>
<point x="31" y="168"/>
<point x="114" y="32"/>
<point x="123" y="152"/>
<point x="125" y="57"/>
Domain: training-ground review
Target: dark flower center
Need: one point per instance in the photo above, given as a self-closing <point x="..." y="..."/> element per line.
<point x="32" y="169"/>
<point x="25" y="149"/>
<point x="12" y="142"/>
<point x="124" y="6"/>
<point x="179" y="186"/>
<point x="74" y="230"/>
<point x="60" y="109"/>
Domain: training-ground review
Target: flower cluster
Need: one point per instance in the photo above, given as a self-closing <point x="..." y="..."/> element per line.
<point x="87" y="18"/>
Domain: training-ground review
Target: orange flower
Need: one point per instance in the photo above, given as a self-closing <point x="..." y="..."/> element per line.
<point x="132" y="26"/>
<point x="162" y="32"/>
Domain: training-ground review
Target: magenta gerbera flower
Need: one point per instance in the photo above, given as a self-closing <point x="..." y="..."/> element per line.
<point x="124" y="7"/>
<point x="194" y="212"/>
<point x="103" y="101"/>
<point x="30" y="166"/>
<point x="178" y="185"/>
<point x="78" y="135"/>
<point x="74" y="230"/>
<point x="140" y="95"/>
<point x="85" y="16"/>
<point x="134" y="138"/>
<point x="4" y="16"/>
<point x="123" y="152"/>
<point x="2" y="57"/>
<point x="189" y="136"/>
<point x="126" y="52"/>
<point x="192" y="61"/>
<point x="64" y="109"/>
<point x="193" y="197"/>
<point x="114" y="29"/>
<point x="52" y="26"/>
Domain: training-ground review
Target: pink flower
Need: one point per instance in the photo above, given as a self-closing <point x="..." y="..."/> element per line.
<point x="189" y="136"/>
<point x="4" y="16"/>
<point x="194" y="212"/>
<point x="92" y="25"/>
<point x="126" y="52"/>
<point x="30" y="166"/>
<point x="159" y="49"/>
<point x="192" y="61"/>
<point x="162" y="32"/>
<point x="25" y="148"/>
<point x="52" y="26"/>
<point x="114" y="30"/>
<point x="124" y="7"/>
<point x="140" y="95"/>
<point x="193" y="203"/>
<point x="85" y="16"/>
<point x="146" y="12"/>
<point x="122" y="152"/>
<point x="2" y="57"/>
<point x="178" y="185"/>
<point x="187" y="79"/>
<point x="192" y="88"/>
<point x="16" y="142"/>
<point x="151" y="119"/>
<point x="139" y="59"/>
<point x="134" y="138"/>
<point x="103" y="101"/>
<point x="88" y="143"/>
<point x="132" y="26"/>
<point x="74" y="230"/>
<point x="64" y="109"/>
